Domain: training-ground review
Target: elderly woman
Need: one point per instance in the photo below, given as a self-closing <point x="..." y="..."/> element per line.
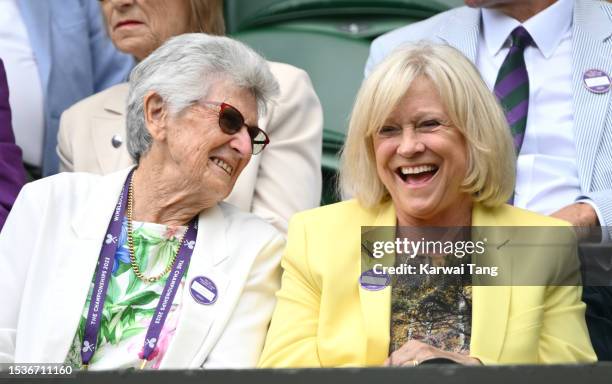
<point x="146" y="266"/>
<point x="282" y="181"/>
<point x="428" y="146"/>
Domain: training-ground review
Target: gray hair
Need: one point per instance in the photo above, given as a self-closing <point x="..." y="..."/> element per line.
<point x="182" y="71"/>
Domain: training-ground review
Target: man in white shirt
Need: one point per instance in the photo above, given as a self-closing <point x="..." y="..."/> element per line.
<point x="564" y="166"/>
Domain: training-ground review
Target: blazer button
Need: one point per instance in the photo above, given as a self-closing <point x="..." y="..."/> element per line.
<point x="116" y="141"/>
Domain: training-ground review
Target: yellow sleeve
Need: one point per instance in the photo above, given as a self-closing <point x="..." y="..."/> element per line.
<point x="564" y="337"/>
<point x="292" y="337"/>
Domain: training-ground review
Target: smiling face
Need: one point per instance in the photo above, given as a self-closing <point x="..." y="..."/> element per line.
<point x="422" y="159"/>
<point x="205" y="160"/>
<point x="138" y="27"/>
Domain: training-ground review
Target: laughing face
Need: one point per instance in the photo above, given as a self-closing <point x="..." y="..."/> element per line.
<point x="422" y="159"/>
<point x="207" y="160"/>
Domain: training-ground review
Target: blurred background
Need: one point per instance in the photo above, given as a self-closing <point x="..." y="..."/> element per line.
<point x="330" y="40"/>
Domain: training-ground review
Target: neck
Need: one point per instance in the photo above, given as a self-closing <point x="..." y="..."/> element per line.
<point x="161" y="197"/>
<point x="523" y="11"/>
<point x="458" y="215"/>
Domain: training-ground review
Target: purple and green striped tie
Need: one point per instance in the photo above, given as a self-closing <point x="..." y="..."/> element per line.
<point x="512" y="85"/>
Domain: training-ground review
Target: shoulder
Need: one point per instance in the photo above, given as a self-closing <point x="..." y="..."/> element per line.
<point x="111" y="100"/>
<point x="57" y="196"/>
<point x="338" y="216"/>
<point x="508" y="215"/>
<point x="424" y="30"/>
<point x="289" y="77"/>
<point x="246" y="224"/>
<point x="63" y="184"/>
<point x="283" y="70"/>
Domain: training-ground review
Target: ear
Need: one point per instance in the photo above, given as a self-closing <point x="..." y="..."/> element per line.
<point x="155" y="113"/>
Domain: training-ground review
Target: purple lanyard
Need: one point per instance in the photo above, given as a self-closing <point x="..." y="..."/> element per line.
<point x="103" y="276"/>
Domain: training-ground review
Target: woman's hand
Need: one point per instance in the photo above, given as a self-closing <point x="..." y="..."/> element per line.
<point x="414" y="352"/>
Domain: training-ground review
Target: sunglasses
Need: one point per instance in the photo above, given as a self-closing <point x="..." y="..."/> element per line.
<point x="231" y="122"/>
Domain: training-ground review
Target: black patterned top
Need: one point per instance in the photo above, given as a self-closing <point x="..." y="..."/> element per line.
<point x="435" y="309"/>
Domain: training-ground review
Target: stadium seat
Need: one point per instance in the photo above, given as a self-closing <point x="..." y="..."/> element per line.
<point x="247" y="14"/>
<point x="330" y="40"/>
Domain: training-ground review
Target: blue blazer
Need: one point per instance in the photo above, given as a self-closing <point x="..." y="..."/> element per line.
<point x="75" y="59"/>
<point x="591" y="48"/>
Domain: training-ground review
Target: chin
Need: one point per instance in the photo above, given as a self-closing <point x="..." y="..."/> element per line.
<point x="421" y="212"/>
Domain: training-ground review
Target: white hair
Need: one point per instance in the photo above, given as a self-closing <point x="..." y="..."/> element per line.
<point x="182" y="71"/>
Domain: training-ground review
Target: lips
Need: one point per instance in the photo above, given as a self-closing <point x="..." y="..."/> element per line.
<point x="417" y="175"/>
<point x="127" y="23"/>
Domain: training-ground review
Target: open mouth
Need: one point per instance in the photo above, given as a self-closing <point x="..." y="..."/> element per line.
<point x="222" y="164"/>
<point x="417" y="175"/>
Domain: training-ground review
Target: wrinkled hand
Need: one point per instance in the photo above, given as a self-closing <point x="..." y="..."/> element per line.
<point x="414" y="352"/>
<point x="579" y="214"/>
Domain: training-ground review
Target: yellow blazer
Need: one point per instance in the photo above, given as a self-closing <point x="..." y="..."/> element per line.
<point x="324" y="319"/>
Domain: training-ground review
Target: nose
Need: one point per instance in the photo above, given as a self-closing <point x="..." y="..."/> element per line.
<point x="241" y="141"/>
<point x="410" y="144"/>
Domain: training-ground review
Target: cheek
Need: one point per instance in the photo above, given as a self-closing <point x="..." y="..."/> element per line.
<point x="383" y="152"/>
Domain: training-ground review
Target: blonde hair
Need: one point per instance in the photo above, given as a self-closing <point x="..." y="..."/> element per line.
<point x="207" y="17"/>
<point x="470" y="105"/>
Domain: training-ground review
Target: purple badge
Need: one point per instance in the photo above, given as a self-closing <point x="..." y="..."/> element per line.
<point x="374" y="281"/>
<point x="203" y="290"/>
<point x="596" y="81"/>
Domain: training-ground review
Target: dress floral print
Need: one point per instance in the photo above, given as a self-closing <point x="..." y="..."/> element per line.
<point x="130" y="303"/>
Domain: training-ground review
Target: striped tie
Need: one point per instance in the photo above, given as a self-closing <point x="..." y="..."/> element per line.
<point x="512" y="85"/>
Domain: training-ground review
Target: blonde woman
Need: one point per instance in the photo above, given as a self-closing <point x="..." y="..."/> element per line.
<point x="428" y="146"/>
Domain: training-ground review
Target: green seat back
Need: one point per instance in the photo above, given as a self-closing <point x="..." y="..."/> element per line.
<point x="330" y="40"/>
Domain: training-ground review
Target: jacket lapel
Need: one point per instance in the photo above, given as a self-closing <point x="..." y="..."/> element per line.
<point x="105" y="125"/>
<point x="76" y="268"/>
<point x="195" y="321"/>
<point x="376" y="305"/>
<point x="591" y="49"/>
<point x="490" y="303"/>
<point x="462" y="30"/>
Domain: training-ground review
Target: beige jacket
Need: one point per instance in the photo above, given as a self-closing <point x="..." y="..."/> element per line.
<point x="284" y="179"/>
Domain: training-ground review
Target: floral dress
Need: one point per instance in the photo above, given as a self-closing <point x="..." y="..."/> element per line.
<point x="130" y="302"/>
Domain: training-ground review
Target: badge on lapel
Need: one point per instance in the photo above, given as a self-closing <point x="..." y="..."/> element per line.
<point x="203" y="290"/>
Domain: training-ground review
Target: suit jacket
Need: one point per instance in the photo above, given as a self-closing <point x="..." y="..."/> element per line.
<point x="12" y="175"/>
<point x="591" y="48"/>
<point x="285" y="178"/>
<point x="51" y="244"/>
<point x="323" y="318"/>
<point x="75" y="59"/>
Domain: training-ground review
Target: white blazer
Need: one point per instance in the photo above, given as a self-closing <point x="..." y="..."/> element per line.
<point x="282" y="180"/>
<point x="49" y="249"/>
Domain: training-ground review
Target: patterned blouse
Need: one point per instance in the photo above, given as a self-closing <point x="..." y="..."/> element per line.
<point x="434" y="309"/>
<point x="130" y="303"/>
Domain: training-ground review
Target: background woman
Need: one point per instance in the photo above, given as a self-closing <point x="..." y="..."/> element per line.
<point x="283" y="180"/>
<point x="428" y="146"/>
<point x="176" y="279"/>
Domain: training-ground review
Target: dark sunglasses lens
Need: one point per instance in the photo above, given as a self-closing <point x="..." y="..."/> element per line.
<point x="230" y="120"/>
<point x="259" y="140"/>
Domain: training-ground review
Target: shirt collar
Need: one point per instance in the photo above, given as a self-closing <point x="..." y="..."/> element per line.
<point x="547" y="28"/>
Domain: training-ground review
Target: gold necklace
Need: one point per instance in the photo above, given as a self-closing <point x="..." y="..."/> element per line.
<point x="130" y="241"/>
